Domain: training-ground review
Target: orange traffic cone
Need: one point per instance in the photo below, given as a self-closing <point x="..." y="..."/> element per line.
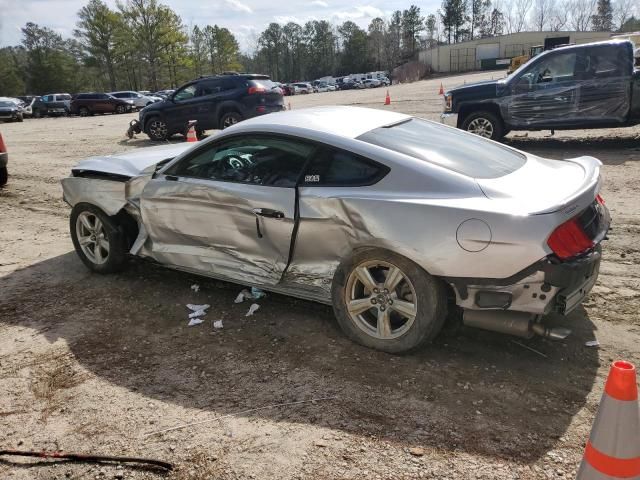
<point x="441" y="92"/>
<point x="191" y="134"/>
<point x="387" y="100"/>
<point x="613" y="449"/>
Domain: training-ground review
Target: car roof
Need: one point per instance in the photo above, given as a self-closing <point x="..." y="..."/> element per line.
<point x="342" y="121"/>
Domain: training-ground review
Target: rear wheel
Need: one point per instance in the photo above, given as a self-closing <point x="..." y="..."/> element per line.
<point x="83" y="111"/>
<point x="4" y="176"/>
<point x="120" y="109"/>
<point x="485" y="124"/>
<point x="229" y="118"/>
<point x="385" y="301"/>
<point x="98" y="241"/>
<point x="157" y="129"/>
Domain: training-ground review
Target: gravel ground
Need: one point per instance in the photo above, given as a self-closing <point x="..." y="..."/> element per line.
<point x="95" y="363"/>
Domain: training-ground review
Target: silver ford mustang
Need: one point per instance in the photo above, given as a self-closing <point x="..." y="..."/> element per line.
<point x="398" y="222"/>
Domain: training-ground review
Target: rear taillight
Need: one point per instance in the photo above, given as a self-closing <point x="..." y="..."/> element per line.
<point x="254" y="90"/>
<point x="3" y="148"/>
<point x="569" y="240"/>
<point x="261" y="109"/>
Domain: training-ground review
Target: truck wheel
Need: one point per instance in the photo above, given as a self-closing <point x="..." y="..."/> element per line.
<point x="4" y="176"/>
<point x="229" y="118"/>
<point x="385" y="301"/>
<point x="157" y="129"/>
<point x="485" y="124"/>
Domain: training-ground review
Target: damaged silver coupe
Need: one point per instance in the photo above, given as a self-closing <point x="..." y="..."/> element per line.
<point x="396" y="221"/>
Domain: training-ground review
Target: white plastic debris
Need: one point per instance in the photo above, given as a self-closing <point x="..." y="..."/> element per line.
<point x="217" y="324"/>
<point x="242" y="296"/>
<point x="197" y="313"/>
<point x="592" y="343"/>
<point x="195" y="308"/>
<point x="257" y="293"/>
<point x="252" y="309"/>
<point x="195" y="321"/>
<point x="195" y="287"/>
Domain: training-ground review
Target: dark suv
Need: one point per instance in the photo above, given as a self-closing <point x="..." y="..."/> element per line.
<point x="215" y="102"/>
<point x="85" y="104"/>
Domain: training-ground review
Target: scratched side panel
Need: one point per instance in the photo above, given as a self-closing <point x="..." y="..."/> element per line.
<point x="211" y="228"/>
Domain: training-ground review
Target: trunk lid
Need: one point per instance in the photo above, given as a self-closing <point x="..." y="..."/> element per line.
<point x="543" y="186"/>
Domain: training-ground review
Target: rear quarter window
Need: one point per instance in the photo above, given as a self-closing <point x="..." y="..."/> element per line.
<point x="447" y="147"/>
<point x="335" y="167"/>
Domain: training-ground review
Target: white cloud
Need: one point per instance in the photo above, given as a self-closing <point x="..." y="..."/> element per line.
<point x="360" y="12"/>
<point x="238" y="6"/>
<point x="320" y="3"/>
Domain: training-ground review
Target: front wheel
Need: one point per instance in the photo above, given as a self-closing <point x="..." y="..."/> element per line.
<point x="157" y="129"/>
<point x="83" y="111"/>
<point x="120" y="109"/>
<point x="98" y="241"/>
<point x="485" y="124"/>
<point x="386" y="302"/>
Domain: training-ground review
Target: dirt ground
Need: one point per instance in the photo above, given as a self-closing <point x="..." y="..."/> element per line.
<point x="94" y="363"/>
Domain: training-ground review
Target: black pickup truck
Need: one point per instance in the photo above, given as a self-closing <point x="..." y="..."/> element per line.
<point x="574" y="87"/>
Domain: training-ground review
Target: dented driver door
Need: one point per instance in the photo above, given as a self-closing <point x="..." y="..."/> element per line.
<point x="228" y="209"/>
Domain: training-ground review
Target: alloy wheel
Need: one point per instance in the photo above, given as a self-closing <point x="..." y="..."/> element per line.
<point x="228" y="121"/>
<point x="92" y="237"/>
<point x="381" y="300"/>
<point x="481" y="126"/>
<point x="158" y="129"/>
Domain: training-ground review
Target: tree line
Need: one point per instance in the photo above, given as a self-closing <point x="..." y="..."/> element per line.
<point x="144" y="45"/>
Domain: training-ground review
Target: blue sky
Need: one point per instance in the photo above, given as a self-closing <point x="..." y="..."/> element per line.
<point x="245" y="18"/>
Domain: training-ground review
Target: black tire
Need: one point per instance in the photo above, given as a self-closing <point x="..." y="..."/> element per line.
<point x="111" y="231"/>
<point x="483" y="123"/>
<point x="4" y="176"/>
<point x="120" y="109"/>
<point x="157" y="129"/>
<point x="430" y="304"/>
<point x="19" y="118"/>
<point x="83" y="111"/>
<point x="229" y="118"/>
<point x="37" y="113"/>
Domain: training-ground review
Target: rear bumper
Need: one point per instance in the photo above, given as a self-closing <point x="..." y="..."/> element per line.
<point x="450" y="119"/>
<point x="543" y="288"/>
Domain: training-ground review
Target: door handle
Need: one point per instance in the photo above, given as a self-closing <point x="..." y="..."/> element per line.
<point x="268" y="213"/>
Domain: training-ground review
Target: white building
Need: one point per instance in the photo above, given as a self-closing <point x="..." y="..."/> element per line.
<point x="482" y="53"/>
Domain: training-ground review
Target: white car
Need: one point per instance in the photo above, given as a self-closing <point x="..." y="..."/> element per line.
<point x="371" y="83"/>
<point x="321" y="87"/>
<point x="302" y="88"/>
<point x="136" y="99"/>
<point x="397" y="222"/>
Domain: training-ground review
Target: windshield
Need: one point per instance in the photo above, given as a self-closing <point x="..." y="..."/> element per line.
<point x="7" y="104"/>
<point x="447" y="147"/>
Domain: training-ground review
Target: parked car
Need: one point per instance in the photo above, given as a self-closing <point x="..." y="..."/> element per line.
<point x="331" y="87"/>
<point x="371" y="83"/>
<point x="85" y="104"/>
<point x="288" y="90"/>
<point x="393" y="220"/>
<point x="10" y="111"/>
<point x="575" y="87"/>
<point x="385" y="81"/>
<point x="27" y="106"/>
<point x="52" y="104"/>
<point x="322" y="87"/>
<point x="4" y="160"/>
<point x="164" y="94"/>
<point x="215" y="102"/>
<point x="137" y="100"/>
<point x="303" y="88"/>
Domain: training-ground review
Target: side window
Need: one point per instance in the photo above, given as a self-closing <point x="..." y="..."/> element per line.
<point x="210" y="87"/>
<point x="602" y="62"/>
<point x="259" y="160"/>
<point x="186" y="93"/>
<point x="334" y="167"/>
<point x="45" y="98"/>
<point x="559" y="67"/>
<point x="103" y="96"/>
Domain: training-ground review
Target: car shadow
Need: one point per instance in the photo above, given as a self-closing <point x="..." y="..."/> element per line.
<point x="610" y="150"/>
<point x="478" y="392"/>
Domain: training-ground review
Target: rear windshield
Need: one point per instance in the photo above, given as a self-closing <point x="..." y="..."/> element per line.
<point x="447" y="147"/>
<point x="264" y="83"/>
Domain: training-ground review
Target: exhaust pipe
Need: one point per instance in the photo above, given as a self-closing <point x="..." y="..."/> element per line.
<point x="520" y="324"/>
